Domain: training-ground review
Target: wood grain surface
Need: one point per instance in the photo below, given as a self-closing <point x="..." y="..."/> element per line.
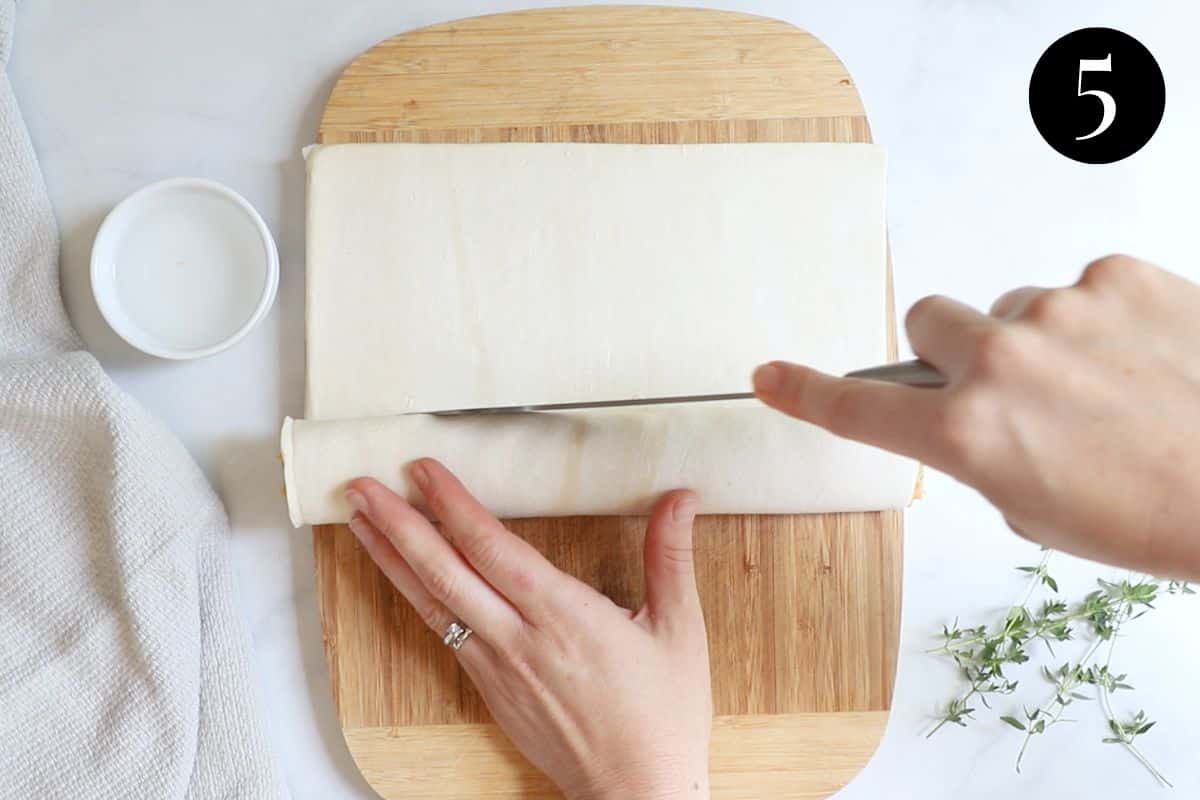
<point x="803" y="611"/>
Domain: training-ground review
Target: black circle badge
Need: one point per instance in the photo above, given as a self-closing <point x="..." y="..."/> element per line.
<point x="1097" y="95"/>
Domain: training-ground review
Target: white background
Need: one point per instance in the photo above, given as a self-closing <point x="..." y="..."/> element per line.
<point x="121" y="93"/>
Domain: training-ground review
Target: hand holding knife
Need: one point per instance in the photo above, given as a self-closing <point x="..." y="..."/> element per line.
<point x="911" y="373"/>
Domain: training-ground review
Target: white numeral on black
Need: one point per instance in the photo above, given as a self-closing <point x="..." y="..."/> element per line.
<point x="1106" y="100"/>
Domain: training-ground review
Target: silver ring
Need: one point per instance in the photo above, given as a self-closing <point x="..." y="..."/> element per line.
<point x="456" y="634"/>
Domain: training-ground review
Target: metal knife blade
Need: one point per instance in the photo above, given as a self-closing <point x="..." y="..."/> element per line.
<point x="912" y="373"/>
<point x="637" y="401"/>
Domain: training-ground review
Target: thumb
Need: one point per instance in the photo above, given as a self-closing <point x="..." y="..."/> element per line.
<point x="670" y="575"/>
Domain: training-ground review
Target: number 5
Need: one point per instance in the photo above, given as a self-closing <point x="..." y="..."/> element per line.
<point x="1106" y="99"/>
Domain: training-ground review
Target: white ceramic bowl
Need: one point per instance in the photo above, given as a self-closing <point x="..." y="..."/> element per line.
<point x="184" y="268"/>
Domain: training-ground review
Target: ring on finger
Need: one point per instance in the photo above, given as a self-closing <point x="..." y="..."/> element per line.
<point x="456" y="635"/>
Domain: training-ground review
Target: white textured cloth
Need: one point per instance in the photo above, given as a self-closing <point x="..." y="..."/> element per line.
<point x="123" y="668"/>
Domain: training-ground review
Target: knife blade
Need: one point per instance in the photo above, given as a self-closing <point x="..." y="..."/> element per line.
<point x="911" y="373"/>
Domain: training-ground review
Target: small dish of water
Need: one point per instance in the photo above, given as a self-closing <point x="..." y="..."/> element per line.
<point x="184" y="268"/>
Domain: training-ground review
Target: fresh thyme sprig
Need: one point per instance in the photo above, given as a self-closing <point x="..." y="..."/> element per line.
<point x="983" y="656"/>
<point x="1106" y="683"/>
<point x="983" y="652"/>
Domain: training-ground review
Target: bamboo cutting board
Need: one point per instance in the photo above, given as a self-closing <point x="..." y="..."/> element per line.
<point x="802" y="611"/>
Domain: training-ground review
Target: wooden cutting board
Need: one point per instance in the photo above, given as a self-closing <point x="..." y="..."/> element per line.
<point x="803" y="611"/>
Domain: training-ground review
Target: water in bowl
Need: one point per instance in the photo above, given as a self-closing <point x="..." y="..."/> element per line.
<point x="190" y="270"/>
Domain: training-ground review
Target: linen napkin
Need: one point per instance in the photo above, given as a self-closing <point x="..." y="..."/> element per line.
<point x="123" y="666"/>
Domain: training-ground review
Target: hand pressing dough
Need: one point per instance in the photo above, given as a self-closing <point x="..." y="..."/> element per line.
<point x="455" y="276"/>
<point x="738" y="458"/>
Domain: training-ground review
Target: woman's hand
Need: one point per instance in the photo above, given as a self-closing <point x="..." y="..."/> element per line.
<point x="1075" y="410"/>
<point x="609" y="703"/>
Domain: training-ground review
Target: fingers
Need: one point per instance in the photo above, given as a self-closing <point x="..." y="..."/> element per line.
<point x="670" y="574"/>
<point x="443" y="572"/>
<point x="944" y="331"/>
<point x="1017" y="528"/>
<point x="431" y="612"/>
<point x="883" y="414"/>
<point x="1069" y="312"/>
<point x="1013" y="304"/>
<point x="510" y="564"/>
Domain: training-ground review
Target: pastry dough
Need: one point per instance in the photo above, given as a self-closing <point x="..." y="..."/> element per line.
<point x="451" y="276"/>
<point x="455" y="276"/>
<point x="739" y="458"/>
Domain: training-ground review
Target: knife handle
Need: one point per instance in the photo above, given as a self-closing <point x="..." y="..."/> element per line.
<point x="910" y="373"/>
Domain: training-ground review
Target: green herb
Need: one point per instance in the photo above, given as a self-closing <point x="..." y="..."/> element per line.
<point x="983" y="653"/>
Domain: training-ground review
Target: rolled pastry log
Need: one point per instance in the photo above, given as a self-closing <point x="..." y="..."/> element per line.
<point x="740" y="457"/>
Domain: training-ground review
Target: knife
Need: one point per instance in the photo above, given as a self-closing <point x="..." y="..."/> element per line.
<point x="910" y="373"/>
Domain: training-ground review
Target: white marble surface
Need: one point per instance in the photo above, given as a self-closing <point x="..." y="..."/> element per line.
<point x="124" y="92"/>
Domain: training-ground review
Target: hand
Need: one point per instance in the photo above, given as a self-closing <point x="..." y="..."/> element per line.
<point x="609" y="703"/>
<point x="1076" y="410"/>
